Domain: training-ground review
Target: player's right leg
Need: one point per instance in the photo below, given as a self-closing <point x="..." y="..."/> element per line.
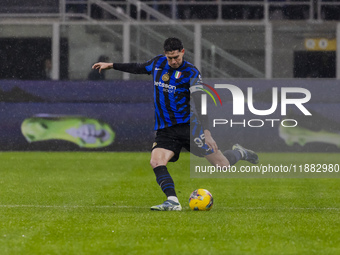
<point x="159" y="159"/>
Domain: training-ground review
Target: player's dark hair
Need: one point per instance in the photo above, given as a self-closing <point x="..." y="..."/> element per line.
<point x="172" y="44"/>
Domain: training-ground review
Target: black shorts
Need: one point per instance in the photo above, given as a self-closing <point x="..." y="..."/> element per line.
<point x="176" y="137"/>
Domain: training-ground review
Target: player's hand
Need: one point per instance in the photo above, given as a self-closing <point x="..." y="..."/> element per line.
<point x="210" y="141"/>
<point x="102" y="66"/>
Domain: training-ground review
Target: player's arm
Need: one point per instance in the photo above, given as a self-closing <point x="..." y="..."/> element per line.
<point x="102" y="66"/>
<point x="136" y="68"/>
<point x="196" y="91"/>
<point x="209" y="140"/>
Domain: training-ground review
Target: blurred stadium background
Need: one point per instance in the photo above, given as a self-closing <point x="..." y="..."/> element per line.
<point x="47" y="49"/>
<point x="98" y="203"/>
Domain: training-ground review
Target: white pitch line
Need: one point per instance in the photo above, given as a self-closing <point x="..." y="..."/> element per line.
<point x="71" y="206"/>
<point x="288" y="208"/>
<point x="140" y="207"/>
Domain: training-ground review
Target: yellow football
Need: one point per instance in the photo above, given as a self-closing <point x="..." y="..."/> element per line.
<point x="201" y="200"/>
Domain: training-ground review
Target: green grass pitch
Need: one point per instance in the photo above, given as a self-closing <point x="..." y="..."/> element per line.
<point x="98" y="203"/>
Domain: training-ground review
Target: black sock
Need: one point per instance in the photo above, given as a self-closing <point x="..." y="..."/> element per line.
<point x="165" y="181"/>
<point x="233" y="156"/>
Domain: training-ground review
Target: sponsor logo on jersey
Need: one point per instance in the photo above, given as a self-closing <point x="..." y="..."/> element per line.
<point x="166" y="87"/>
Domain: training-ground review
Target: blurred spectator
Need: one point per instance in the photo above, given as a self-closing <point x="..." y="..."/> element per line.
<point x="94" y="73"/>
<point x="276" y="12"/>
<point x="184" y="10"/>
<point x="47" y="72"/>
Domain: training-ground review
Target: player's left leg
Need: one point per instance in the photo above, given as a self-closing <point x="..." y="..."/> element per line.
<point x="246" y="154"/>
<point x="228" y="158"/>
<point x="217" y="158"/>
<point x="231" y="157"/>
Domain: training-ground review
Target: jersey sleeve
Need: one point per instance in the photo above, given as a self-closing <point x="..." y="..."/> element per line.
<point x="137" y="68"/>
<point x="196" y="86"/>
<point x="196" y="83"/>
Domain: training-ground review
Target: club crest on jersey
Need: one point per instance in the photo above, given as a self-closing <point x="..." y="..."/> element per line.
<point x="165" y="77"/>
<point x="178" y="74"/>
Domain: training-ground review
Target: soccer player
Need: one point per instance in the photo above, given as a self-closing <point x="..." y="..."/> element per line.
<point x="173" y="80"/>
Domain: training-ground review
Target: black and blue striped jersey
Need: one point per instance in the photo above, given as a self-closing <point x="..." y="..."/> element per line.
<point x="171" y="88"/>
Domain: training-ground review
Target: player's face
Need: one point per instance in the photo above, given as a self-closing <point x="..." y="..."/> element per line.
<point x="175" y="58"/>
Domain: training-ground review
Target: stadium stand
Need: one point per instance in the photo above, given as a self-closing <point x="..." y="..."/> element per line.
<point x="250" y="39"/>
<point x="182" y="9"/>
<point x="29" y="6"/>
